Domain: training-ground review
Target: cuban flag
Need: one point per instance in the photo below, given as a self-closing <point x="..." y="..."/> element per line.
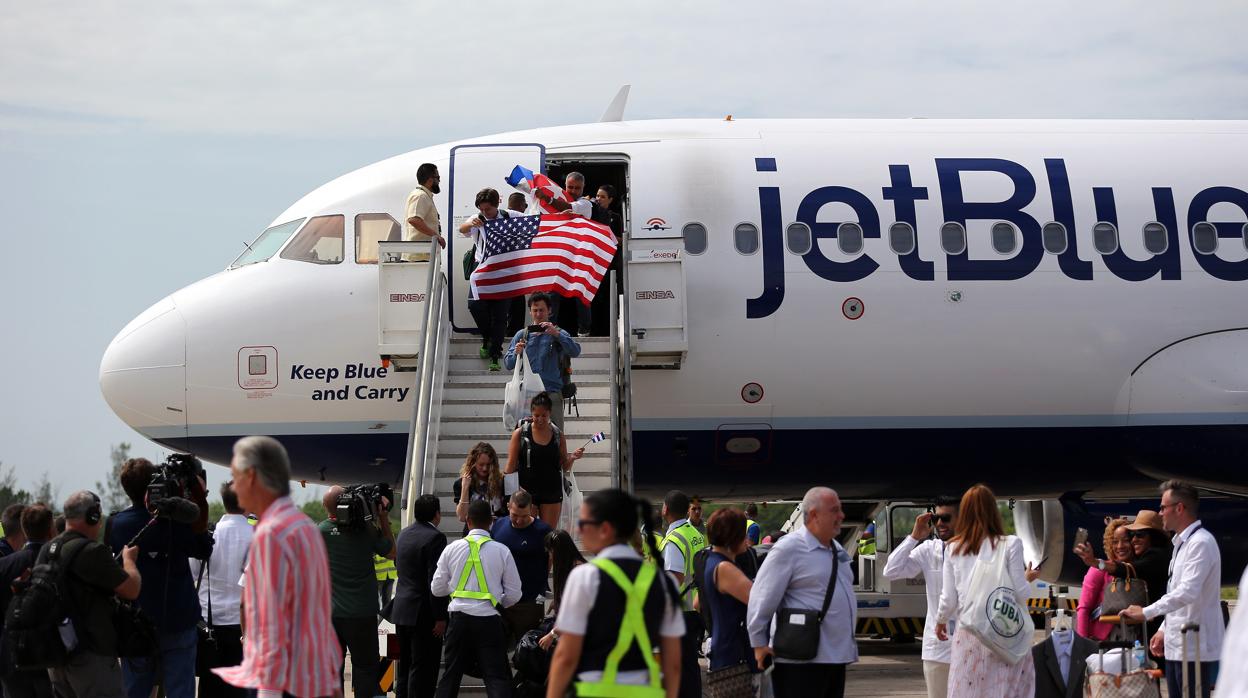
<point x="529" y="182"/>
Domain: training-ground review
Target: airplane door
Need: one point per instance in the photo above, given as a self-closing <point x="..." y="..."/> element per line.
<point x="474" y="167"/>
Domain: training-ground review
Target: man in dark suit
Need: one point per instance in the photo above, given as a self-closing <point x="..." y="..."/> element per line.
<point x="419" y="616"/>
<point x="1060" y="662"/>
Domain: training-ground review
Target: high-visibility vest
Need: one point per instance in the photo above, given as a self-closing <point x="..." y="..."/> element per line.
<point x="750" y="523"/>
<point x="689" y="540"/>
<point x="384" y="567"/>
<point x="866" y="546"/>
<point x="632" y="631"/>
<point x="473" y="563"/>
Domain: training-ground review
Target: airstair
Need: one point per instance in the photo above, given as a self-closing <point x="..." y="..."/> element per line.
<point x="458" y="401"/>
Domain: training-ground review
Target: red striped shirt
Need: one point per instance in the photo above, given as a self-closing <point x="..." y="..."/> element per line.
<point x="290" y="642"/>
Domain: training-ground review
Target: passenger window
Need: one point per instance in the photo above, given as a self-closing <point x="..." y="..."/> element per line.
<point x="1004" y="238"/>
<point x="849" y="238"/>
<point x="1155" y="240"/>
<point x="1105" y="237"/>
<point x="267" y="244"/>
<point x="901" y="238"/>
<point x="799" y="238"/>
<point x="953" y="238"/>
<point x="694" y="235"/>
<point x="745" y="238"/>
<point x="370" y="229"/>
<point x="1205" y="238"/>
<point x="320" y="241"/>
<point x="1054" y="237"/>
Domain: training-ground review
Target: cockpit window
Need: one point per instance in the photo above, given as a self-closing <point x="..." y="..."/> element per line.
<point x="371" y="229"/>
<point x="320" y="241"/>
<point x="267" y="244"/>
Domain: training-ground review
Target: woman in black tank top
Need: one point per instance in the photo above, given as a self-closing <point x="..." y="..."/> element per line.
<point x="540" y="454"/>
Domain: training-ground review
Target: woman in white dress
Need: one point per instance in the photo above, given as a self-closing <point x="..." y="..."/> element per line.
<point x="975" y="671"/>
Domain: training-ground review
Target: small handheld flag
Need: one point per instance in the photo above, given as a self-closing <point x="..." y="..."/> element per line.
<point x="600" y="436"/>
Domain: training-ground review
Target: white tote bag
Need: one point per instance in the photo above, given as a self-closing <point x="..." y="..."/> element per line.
<point x="571" y="506"/>
<point x="992" y="611"/>
<point x="524" y="385"/>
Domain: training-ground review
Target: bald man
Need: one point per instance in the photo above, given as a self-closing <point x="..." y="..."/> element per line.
<point x="351" y="546"/>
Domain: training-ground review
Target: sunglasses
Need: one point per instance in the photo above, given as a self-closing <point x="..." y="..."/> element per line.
<point x="1137" y="534"/>
<point x="941" y="518"/>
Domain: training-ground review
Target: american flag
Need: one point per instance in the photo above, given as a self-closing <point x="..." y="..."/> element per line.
<point x="560" y="252"/>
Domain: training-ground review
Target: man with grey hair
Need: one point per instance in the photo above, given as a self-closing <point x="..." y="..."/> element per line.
<point x="807" y="570"/>
<point x="92" y="579"/>
<point x="290" y="646"/>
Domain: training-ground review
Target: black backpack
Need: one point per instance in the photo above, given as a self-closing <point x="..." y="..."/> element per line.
<point x="41" y="611"/>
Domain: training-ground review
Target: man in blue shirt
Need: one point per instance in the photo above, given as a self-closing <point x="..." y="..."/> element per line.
<point x="544" y="349"/>
<point x="525" y="537"/>
<point x="168" y="595"/>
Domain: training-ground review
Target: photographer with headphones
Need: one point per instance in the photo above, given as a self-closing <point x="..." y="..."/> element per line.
<point x="168" y="522"/>
<point x="92" y="579"/>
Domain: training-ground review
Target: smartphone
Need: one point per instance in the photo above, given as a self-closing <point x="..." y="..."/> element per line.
<point x="535" y="329"/>
<point x="1081" y="536"/>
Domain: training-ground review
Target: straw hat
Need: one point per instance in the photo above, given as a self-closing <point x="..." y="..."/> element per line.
<point x="1146" y="520"/>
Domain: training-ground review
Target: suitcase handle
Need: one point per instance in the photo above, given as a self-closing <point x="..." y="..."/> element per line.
<point x="1188" y="627"/>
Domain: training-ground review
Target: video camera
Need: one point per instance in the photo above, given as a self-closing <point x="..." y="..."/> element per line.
<point x="173" y="478"/>
<point x="357" y="503"/>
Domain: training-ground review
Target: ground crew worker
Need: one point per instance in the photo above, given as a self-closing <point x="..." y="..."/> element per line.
<point x="478" y="574"/>
<point x="386" y="576"/>
<point x="866" y="544"/>
<point x="753" y="531"/>
<point x="615" y="610"/>
<point x="681" y="543"/>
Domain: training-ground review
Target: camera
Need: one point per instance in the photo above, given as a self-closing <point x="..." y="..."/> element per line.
<point x="357" y="504"/>
<point x="535" y="329"/>
<point x="173" y="478"/>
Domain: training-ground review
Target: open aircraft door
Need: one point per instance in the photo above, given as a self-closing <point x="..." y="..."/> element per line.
<point x="658" y="313"/>
<point x="474" y="167"/>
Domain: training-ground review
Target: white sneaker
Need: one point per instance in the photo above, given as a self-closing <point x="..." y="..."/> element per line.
<point x="582" y="334"/>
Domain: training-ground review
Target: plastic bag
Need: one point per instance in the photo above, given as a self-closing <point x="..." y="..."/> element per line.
<point x="531" y="662"/>
<point x="524" y="385"/>
<point x="991" y="610"/>
<point x="571" y="506"/>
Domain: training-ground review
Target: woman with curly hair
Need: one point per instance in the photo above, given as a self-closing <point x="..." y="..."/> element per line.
<point x="480" y="478"/>
<point x="1118" y="549"/>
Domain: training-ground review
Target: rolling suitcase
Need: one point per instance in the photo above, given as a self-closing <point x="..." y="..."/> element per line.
<point x="1187" y="629"/>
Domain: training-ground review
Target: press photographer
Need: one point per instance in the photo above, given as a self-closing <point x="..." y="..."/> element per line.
<point x="357" y="528"/>
<point x="168" y="522"/>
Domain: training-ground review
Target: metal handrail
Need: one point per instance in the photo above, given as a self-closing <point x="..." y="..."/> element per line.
<point x="616" y="432"/>
<point x="417" y="479"/>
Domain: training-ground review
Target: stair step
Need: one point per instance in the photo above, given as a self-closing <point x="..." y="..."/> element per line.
<point x="494" y="392"/>
<point x="505" y="376"/>
<point x="588" y="482"/>
<point x="492" y="428"/>
<point x="450" y="464"/>
<point x="475" y="340"/>
<point x="492" y="408"/>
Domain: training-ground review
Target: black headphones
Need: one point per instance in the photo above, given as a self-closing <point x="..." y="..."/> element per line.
<point x="96" y="512"/>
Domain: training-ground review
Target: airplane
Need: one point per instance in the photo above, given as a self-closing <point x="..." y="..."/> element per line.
<point x="891" y="307"/>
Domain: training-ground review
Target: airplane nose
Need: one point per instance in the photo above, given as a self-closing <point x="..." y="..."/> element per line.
<point x="143" y="373"/>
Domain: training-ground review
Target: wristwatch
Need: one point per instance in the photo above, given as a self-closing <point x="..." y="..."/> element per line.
<point x="1100" y="565"/>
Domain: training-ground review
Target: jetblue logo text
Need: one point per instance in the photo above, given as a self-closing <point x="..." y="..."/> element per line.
<point x="1021" y="209"/>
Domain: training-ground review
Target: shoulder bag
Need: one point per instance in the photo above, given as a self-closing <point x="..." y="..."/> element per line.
<point x="1123" y="592"/>
<point x="797" y="629"/>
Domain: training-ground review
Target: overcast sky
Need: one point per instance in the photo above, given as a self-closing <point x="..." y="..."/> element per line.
<point x="141" y="143"/>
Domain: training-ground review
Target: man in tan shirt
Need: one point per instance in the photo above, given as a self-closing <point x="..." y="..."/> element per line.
<point x="422" y="214"/>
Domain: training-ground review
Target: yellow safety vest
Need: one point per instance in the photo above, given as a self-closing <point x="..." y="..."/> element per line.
<point x="632" y="631"/>
<point x="474" y="563"/>
<point x="384" y="567"/>
<point x="748" y="524"/>
<point x="690" y="540"/>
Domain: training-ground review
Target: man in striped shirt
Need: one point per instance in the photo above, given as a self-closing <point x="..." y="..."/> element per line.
<point x="290" y="643"/>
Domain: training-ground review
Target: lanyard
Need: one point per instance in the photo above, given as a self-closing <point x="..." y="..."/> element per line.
<point x="1175" y="557"/>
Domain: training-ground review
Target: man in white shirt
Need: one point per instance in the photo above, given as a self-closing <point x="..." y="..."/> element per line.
<point x="921" y="554"/>
<point x="421" y="220"/>
<point x="1193" y="593"/>
<point x="477" y="573"/>
<point x="221" y="596"/>
<point x="796" y="574"/>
